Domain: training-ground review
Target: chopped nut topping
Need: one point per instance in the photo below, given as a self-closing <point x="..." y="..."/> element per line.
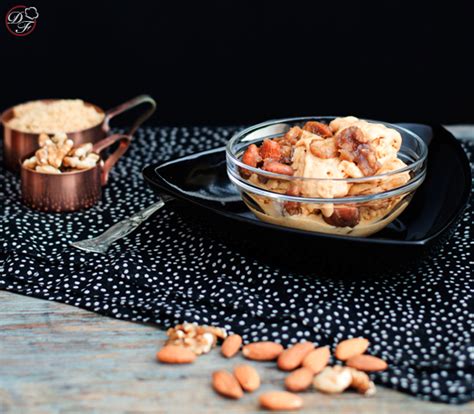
<point x="318" y="128"/>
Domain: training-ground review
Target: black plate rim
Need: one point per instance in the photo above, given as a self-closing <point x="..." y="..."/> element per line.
<point x="154" y="180"/>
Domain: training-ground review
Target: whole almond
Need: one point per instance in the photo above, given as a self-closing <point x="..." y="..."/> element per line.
<point x="292" y="357"/>
<point x="174" y="354"/>
<point x="226" y="384"/>
<point x="231" y="345"/>
<point x="366" y="363"/>
<point x="351" y="347"/>
<point x="299" y="380"/>
<point x="317" y="360"/>
<point x="262" y="351"/>
<point x="280" y="401"/>
<point x="247" y="376"/>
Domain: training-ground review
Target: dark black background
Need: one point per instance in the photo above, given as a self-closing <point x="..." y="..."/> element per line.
<point x="236" y="62"/>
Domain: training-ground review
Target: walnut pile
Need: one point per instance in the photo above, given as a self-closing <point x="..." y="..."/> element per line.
<point x="57" y="154"/>
<point x="199" y="339"/>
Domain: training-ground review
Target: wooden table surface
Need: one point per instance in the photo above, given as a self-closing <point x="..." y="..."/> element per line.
<point x="56" y="358"/>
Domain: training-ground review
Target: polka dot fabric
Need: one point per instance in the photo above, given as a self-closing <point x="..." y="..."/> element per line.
<point x="168" y="272"/>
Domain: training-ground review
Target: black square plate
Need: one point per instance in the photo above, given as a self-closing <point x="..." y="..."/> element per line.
<point x="209" y="199"/>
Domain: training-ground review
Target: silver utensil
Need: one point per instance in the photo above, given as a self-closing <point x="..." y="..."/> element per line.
<point x="100" y="244"/>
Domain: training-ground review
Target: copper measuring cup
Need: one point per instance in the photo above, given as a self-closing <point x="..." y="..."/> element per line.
<point x="75" y="190"/>
<point x="16" y="144"/>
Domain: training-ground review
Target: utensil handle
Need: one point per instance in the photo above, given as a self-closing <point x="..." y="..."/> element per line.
<point x="119" y="230"/>
<point x="114" y="157"/>
<point x="125" y="227"/>
<point x="132" y="103"/>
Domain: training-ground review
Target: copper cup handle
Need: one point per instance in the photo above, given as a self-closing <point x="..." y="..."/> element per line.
<point x="114" y="157"/>
<point x="132" y="103"/>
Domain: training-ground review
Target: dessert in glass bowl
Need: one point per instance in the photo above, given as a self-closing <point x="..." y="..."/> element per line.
<point x="337" y="175"/>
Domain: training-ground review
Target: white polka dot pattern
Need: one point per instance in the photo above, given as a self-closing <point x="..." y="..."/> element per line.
<point x="167" y="272"/>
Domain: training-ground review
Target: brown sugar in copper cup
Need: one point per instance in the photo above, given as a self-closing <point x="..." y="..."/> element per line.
<point x="75" y="190"/>
<point x="17" y="144"/>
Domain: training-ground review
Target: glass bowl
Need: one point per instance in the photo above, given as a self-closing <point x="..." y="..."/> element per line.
<point x="342" y="206"/>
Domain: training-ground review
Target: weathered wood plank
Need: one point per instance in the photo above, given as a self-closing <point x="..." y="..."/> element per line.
<point x="56" y="358"/>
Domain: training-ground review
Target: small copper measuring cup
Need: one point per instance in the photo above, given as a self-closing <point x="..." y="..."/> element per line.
<point x="75" y="190"/>
<point x="16" y="144"/>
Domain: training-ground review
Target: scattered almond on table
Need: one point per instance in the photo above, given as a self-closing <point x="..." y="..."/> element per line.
<point x="174" y="354"/>
<point x="307" y="365"/>
<point x="351" y="347"/>
<point x="248" y="377"/>
<point x="292" y="357"/>
<point x="226" y="384"/>
<point x="367" y="363"/>
<point x="317" y="360"/>
<point x="299" y="380"/>
<point x="231" y="346"/>
<point x="262" y="351"/>
<point x="280" y="401"/>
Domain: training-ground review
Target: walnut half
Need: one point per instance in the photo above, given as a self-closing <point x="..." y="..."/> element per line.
<point x="200" y="339"/>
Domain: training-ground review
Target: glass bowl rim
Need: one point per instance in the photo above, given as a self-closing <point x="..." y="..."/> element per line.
<point x="408" y="187"/>
<point x="246" y="131"/>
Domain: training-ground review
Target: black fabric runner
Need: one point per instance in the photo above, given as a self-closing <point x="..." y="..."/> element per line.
<point x="168" y="272"/>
